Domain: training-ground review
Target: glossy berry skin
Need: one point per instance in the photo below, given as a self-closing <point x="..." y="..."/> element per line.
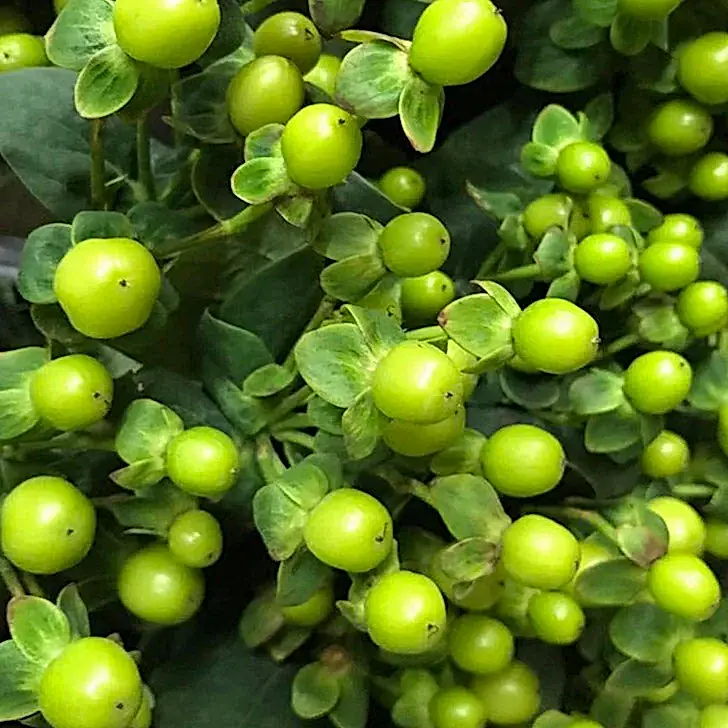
<point x="404" y="186"/>
<point x="546" y="212"/>
<point x="585" y="723"/>
<point x="93" y="683"/>
<point x="582" y="167"/>
<point x="47" y="525"/>
<point x="667" y="455"/>
<point x="685" y="526"/>
<point x="417" y="382"/>
<point x="413" y="440"/>
<point x="349" y="530"/>
<point x="523" y="461"/>
<point x="166" y="33"/>
<point x="323" y="74"/>
<point x="457" y="41"/>
<point x="679" y="127"/>
<point x="425" y="296"/>
<point x="73" y="392"/>
<point x="480" y="644"/>
<point x="405" y="613"/>
<point x="716" y="538"/>
<point x="556" y="618"/>
<point x="414" y="244"/>
<point x="195" y="539"/>
<point x="701" y="669"/>
<point x="648" y="9"/>
<point x="321" y="145"/>
<point x="555" y="336"/>
<point x="703" y="307"/>
<point x="21" y="50"/>
<point x="714" y="716"/>
<point x="678" y="228"/>
<point x="203" y="461"/>
<point x="457" y="707"/>
<point x="709" y="177"/>
<point x="540" y="553"/>
<point x="512" y="696"/>
<point x="268" y="90"/>
<point x="155" y="587"/>
<point x="607" y="212"/>
<point x="670" y="369"/>
<point x="682" y="584"/>
<point x="703" y="68"/>
<point x="291" y="35"/>
<point x="313" y="611"/>
<point x="669" y="266"/>
<point x="602" y="258"/>
<point x="107" y="287"/>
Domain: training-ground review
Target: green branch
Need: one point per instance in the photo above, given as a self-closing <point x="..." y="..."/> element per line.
<point x="10" y="578"/>
<point x="98" y="166"/>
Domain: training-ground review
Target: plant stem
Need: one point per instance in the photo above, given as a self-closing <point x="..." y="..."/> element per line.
<point x="491" y="260"/>
<point x="294" y="422"/>
<point x="32" y="585"/>
<point x="620" y="344"/>
<point x="523" y="273"/>
<point x="288" y="404"/>
<point x="98" y="166"/>
<point x="693" y="491"/>
<point x="144" y="162"/>
<point x="179" y="136"/>
<point x="8" y="575"/>
<point x="324" y="310"/>
<point x="216" y="232"/>
<point x="271" y="466"/>
<point x="255" y="6"/>
<point x="429" y="333"/>
<point x="296" y="437"/>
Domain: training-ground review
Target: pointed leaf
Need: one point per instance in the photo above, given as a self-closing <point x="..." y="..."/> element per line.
<point x="575" y="33"/>
<point x="70" y="603"/>
<point x="380" y="332"/>
<point x="630" y="36"/>
<point x="420" y="112"/>
<point x="38" y="627"/>
<point x="270" y="379"/>
<point x="141" y="474"/>
<point x="154" y="510"/>
<point x="552" y="253"/>
<point x="19" y="683"/>
<point x="264" y="142"/>
<point x="498" y="205"/>
<point x="146" y="429"/>
<point x="600" y="115"/>
<point x="42" y="252"/>
<point x="361" y="425"/>
<point x="261" y="620"/>
<point x="279" y="521"/>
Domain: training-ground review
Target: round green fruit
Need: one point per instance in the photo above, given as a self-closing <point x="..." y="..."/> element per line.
<point x="457" y="707"/>
<point x="685" y="526"/>
<point x="413" y="440"/>
<point x="709" y="177"/>
<point x="556" y="618"/>
<point x="679" y="127"/>
<point x="678" y="228"/>
<point x="716" y="538"/>
<point x="669" y="266"/>
<point x="648" y="9"/>
<point x="313" y="611"/>
<point x="603" y="258"/>
<point x="546" y="212"/>
<point x="667" y="455"/>
<point x="404" y="186"/>
<point x="291" y="35"/>
<point x="701" y="669"/>
<point x="607" y="212"/>
<point x="323" y="74"/>
<point x="414" y="244"/>
<point x="195" y="538"/>
<point x="425" y="296"/>
<point x="714" y="716"/>
<point x="480" y="644"/>
<point x="703" y="68"/>
<point x="671" y="370"/>
<point x="21" y="50"/>
<point x="511" y="696"/>
<point x="582" y="167"/>
<point x="702" y="307"/>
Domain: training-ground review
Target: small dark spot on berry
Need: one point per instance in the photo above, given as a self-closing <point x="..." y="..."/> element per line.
<point x="443" y="287"/>
<point x="341" y="121"/>
<point x="97" y="395"/>
<point x="124" y="283"/>
<point x="443" y="241"/>
<point x="69" y="532"/>
<point x="120" y="706"/>
<point x="307" y="32"/>
<point x="449" y="395"/>
<point x="432" y="629"/>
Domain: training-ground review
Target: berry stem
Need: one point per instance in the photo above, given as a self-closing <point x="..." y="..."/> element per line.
<point x="524" y="273"/>
<point x="491" y="261"/>
<point x="98" y="165"/>
<point x="693" y="491"/>
<point x="32" y="585"/>
<point x="620" y="344"/>
<point x="296" y="437"/>
<point x="144" y="162"/>
<point x="10" y="578"/>
<point x="270" y="464"/>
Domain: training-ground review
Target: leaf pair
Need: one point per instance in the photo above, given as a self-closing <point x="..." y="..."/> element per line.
<point x="17" y="412"/>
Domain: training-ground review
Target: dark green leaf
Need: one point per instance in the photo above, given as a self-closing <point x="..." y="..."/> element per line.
<point x="279" y="521"/>
<point x="612" y="431"/>
<point x="552" y="253"/>
<point x="358" y="194"/>
<point x="331" y="16"/>
<point x="531" y="392"/>
<point x="596" y="392"/>
<point x="93" y="224"/>
<point x="600" y="115"/>
<point x="565" y="286"/>
<point x="146" y="430"/>
<point x="380" y="332"/>
<point x="232" y="34"/>
<point x="324" y="416"/>
<point x="497" y="204"/>
<point x="211" y="173"/>
<point x="630" y="36"/>
<point x="469" y="506"/>
<point x="352" y="709"/>
<point x="296" y="209"/>
<point x="412" y="709"/>
<point x="361" y="425"/>
<point x="710" y="385"/>
<point x="17" y="413"/>
<point x="684" y="715"/>
<point x="611" y="583"/>
<point x="575" y="33"/>
<point x="553" y="719"/>
<point x="599" y="12"/>
<point x="300" y="577"/>
<point x="636" y="678"/>
<point x="268" y="380"/>
<point x="461" y="457"/>
<point x="307" y="482"/>
<point x="247" y="414"/>
<point x="154" y="510"/>
<point x="315" y="691"/>
<point x="38" y="627"/>
<point x="347" y="234"/>
<point x="645" y="633"/>
<point x="420" y="112"/>
<point x="19" y="683"/>
<point x="70" y="603"/>
<point x="336" y="363"/>
<point x="261" y="180"/>
<point x="287" y="641"/>
<point x="613" y="708"/>
<point x="371" y="80"/>
<point x="106" y="83"/>
<point x="644" y="216"/>
<point x="41" y="255"/>
<point x="350" y="279"/>
<point x="83" y="29"/>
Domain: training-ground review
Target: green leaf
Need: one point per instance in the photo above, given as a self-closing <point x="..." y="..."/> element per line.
<point x="636" y="678"/>
<point x="552" y="253"/>
<point x="469" y="506"/>
<point x="461" y="457"/>
<point x="371" y="80"/>
<point x="555" y="127"/>
<point x="612" y="431"/>
<point x="95" y="224"/>
<point x="596" y="392"/>
<point x="575" y="33"/>
<point x="641" y="534"/>
<point x="469" y="559"/>
<point x="412" y="709"/>
<point x="324" y="416"/>
<point x="268" y="380"/>
<point x="261" y="619"/>
<point x="84" y="28"/>
<point x="307" y="482"/>
<point x="658" y="323"/>
<point x="106" y="83"/>
<point x="385" y="297"/>
<point x="146" y="429"/>
<point x="479" y="325"/>
<point x="361" y="425"/>
<point x="247" y="414"/>
<point x="615" y="295"/>
<point x="539" y="159"/>
<point x="611" y="583"/>
<point x="600" y="116"/>
<point x="315" y="692"/>
<point x="300" y="577"/>
<point x="613" y="708"/>
<point x="17" y="413"/>
<point x="332" y="16"/>
<point x="644" y="216"/>
<point x="684" y="715"/>
<point x="710" y="384"/>
<point x="261" y="180"/>
<point x="336" y="363"/>
<point x="380" y="332"/>
<point x="358" y="194"/>
<point x="420" y="112"/>
<point x="42" y="253"/>
<point x="529" y="391"/>
<point x="279" y="521"/>
<point x="264" y="142"/>
<point x="140" y="474"/>
<point x="70" y="603"/>
<point x="498" y="205"/>
<point x="153" y="510"/>
<point x="645" y="633"/>
<point x="19" y="683"/>
<point x="211" y="173"/>
<point x="40" y="630"/>
<point x="296" y="210"/>
<point x="566" y="286"/>
<point x="352" y="709"/>
<point x="350" y="279"/>
<point x="287" y="641"/>
<point x="599" y="12"/>
<point x="630" y="36"/>
<point x="200" y="99"/>
<point x="347" y="234"/>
